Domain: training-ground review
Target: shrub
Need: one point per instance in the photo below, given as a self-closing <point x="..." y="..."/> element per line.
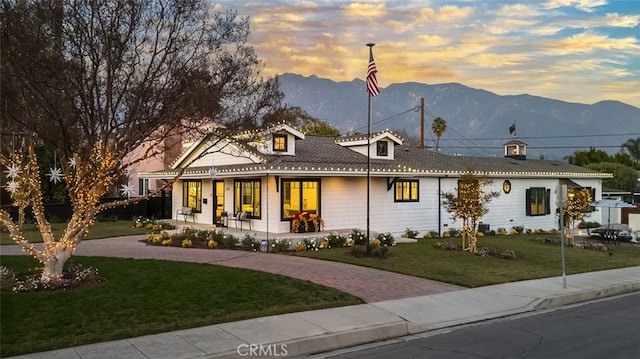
<point x="280" y="245"/>
<point x="446" y="234"/>
<point x="212" y="244"/>
<point x="358" y="238"/>
<point x="311" y="244"/>
<point x="487" y="252"/>
<point x="186" y="243"/>
<point x="502" y="231"/>
<point x="386" y="239"/>
<point x="375" y="243"/>
<point x="410" y="233"/>
<point x="508" y="254"/>
<point x="228" y="241"/>
<point x="446" y="245"/>
<point x="381" y="251"/>
<point x="249" y="243"/>
<point x="336" y="240"/>
<point x="453" y="232"/>
<point x="358" y="250"/>
<point x="300" y="247"/>
<point x="517" y="229"/>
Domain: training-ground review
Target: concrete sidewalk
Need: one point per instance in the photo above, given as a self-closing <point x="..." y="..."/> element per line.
<point x="305" y="333"/>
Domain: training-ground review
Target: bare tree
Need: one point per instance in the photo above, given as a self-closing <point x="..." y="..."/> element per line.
<point x="95" y="79"/>
<point x="469" y="204"/>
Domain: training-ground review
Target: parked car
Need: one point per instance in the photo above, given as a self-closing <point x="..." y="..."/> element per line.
<point x="622" y="235"/>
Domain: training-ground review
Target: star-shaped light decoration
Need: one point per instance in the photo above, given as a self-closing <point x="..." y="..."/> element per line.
<point x="13" y="171"/>
<point x="55" y="175"/>
<point x="127" y="190"/>
<point x="12" y="186"/>
<point x="73" y="162"/>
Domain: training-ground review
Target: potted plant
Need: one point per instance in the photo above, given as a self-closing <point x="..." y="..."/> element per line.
<point x="306" y="222"/>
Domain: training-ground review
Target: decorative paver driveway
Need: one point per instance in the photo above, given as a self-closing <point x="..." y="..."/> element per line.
<point x="371" y="285"/>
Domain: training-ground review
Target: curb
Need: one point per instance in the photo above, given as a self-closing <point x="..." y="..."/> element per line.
<point x="564" y="299"/>
<point x="331" y="341"/>
<point x="342" y="340"/>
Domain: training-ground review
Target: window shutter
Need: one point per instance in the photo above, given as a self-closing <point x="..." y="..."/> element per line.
<point x="547" y="201"/>
<point x="527" y="204"/>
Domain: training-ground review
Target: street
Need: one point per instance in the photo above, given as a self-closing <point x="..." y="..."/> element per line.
<point x="607" y="328"/>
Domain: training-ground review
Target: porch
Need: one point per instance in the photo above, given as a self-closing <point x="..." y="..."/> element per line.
<point x="259" y="235"/>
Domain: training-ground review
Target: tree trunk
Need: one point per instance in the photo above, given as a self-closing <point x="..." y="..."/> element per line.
<point x="54" y="264"/>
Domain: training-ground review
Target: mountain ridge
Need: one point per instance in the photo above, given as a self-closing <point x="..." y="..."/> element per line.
<point x="477" y="120"/>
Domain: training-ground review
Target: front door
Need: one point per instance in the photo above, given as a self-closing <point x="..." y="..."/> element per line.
<point x="218" y="198"/>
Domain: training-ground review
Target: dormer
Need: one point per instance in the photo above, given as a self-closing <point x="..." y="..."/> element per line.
<point x="382" y="144"/>
<point x="515" y="149"/>
<point x="278" y="140"/>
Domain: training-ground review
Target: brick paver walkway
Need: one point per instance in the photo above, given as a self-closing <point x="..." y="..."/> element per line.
<point x="371" y="285"/>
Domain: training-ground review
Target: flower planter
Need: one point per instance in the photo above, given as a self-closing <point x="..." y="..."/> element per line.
<point x="302" y="228"/>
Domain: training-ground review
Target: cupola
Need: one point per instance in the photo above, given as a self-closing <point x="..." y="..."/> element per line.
<point x="515" y="149"/>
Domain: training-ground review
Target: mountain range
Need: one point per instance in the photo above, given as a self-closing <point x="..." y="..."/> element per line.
<point x="478" y="121"/>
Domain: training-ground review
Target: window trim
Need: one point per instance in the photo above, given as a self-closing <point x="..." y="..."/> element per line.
<point x="185" y="195"/>
<point x="299" y="180"/>
<point x="546" y="192"/>
<point x="409" y="182"/>
<point x="382" y="148"/>
<point x="277" y="136"/>
<point x="237" y="207"/>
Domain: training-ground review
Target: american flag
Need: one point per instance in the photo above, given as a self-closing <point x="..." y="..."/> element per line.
<point x="372" y="81"/>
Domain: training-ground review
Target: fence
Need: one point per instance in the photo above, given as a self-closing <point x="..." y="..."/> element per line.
<point x="154" y="207"/>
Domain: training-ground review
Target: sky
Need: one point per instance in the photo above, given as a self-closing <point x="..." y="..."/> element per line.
<point x="581" y="51"/>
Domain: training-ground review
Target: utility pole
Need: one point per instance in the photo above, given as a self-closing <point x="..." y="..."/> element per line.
<point x="422" y="122"/>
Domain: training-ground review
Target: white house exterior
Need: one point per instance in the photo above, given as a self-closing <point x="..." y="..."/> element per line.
<point x="286" y="172"/>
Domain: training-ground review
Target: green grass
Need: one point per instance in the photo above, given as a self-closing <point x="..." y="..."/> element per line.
<point x="535" y="260"/>
<point x="99" y="230"/>
<point x="148" y="296"/>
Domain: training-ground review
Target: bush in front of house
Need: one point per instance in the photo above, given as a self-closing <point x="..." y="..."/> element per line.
<point x="386" y="239"/>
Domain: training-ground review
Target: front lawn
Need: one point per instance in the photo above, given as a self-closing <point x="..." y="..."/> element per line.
<point x="534" y="260"/>
<point x="148" y="296"/>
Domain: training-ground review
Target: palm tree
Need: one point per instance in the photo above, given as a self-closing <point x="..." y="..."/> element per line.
<point x="633" y="147"/>
<point x="439" y="125"/>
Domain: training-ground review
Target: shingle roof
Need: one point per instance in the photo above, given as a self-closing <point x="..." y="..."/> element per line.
<point x="320" y="156"/>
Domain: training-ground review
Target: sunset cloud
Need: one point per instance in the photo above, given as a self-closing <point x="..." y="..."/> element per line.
<point x="573" y="50"/>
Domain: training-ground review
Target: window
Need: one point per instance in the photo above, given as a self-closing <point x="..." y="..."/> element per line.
<point x="537" y="201"/>
<point x="279" y="143"/>
<point x="382" y="148"/>
<point x="247" y="197"/>
<point x="300" y="196"/>
<point x="406" y="191"/>
<point x="192" y="195"/>
<point x="143" y="186"/>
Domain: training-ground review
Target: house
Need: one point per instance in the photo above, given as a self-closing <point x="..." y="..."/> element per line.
<point x="274" y="174"/>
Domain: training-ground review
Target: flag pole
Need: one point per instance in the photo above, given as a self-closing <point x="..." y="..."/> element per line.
<point x="369" y="161"/>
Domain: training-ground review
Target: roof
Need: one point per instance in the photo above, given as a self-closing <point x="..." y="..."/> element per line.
<point x="322" y="156"/>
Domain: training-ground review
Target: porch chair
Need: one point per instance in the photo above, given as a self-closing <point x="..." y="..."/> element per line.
<point x="241" y="217"/>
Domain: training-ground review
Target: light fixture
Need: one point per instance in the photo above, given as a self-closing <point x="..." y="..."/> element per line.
<point x="506" y="186"/>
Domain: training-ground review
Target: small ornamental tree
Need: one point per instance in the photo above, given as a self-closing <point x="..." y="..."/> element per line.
<point x="577" y="205"/>
<point x="94" y="80"/>
<point x="469" y="204"/>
